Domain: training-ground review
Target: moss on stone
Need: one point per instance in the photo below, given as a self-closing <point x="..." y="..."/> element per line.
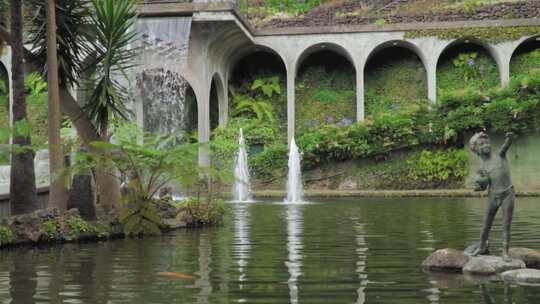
<point x="487" y="34"/>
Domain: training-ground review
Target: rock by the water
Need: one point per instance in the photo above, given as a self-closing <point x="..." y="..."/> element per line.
<point x="531" y="257"/>
<point x="446" y="260"/>
<point x="489" y="265"/>
<point x="472" y="248"/>
<point x="523" y="276"/>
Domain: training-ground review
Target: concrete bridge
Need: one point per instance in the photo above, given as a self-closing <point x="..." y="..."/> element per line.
<point x="221" y="37"/>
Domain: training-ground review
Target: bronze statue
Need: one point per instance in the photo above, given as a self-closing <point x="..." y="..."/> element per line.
<point x="494" y="175"/>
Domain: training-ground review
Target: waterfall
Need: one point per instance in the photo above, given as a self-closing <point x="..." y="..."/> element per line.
<point x="294" y="180"/>
<point x="159" y="88"/>
<point x="242" y="187"/>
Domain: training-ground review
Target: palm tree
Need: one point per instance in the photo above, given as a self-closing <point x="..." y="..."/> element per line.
<point x="93" y="36"/>
<point x="58" y="193"/>
<point x="23" y="196"/>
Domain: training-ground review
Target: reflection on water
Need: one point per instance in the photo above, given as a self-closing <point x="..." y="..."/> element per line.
<point x="294" y="248"/>
<point x="361" y="251"/>
<point x="340" y="251"/>
<point x="242" y="246"/>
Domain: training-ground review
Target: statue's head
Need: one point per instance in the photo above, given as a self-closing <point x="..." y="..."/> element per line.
<point x="480" y="144"/>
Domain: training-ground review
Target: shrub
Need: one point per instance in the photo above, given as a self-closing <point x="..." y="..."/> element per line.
<point x="202" y="213"/>
<point x="6" y="235"/>
<point x="438" y="167"/>
<point x="76" y="226"/>
<point x="51" y="229"/>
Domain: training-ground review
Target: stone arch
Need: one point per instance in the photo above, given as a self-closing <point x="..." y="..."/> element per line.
<point x="255" y="61"/>
<point x="325" y="91"/>
<point x="470" y="44"/>
<point x="523" y="48"/>
<point x="400" y="44"/>
<point x="387" y="71"/>
<point x="323" y="46"/>
<point x="217" y="101"/>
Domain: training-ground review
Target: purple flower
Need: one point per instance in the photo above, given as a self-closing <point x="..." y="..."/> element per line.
<point x="470" y="62"/>
<point x="329" y="119"/>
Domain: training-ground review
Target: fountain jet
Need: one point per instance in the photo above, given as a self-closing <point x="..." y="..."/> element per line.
<point x="242" y="187"/>
<point x="294" y="180"/>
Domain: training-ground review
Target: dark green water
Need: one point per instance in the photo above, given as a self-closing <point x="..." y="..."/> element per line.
<point x="335" y="251"/>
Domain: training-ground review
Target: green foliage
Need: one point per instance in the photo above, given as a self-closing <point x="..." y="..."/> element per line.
<point x="379" y="21"/>
<point x="470" y="70"/>
<point x="148" y="165"/>
<point x="76" y="226"/>
<point x="271" y="162"/>
<point x="247" y="106"/>
<point x="258" y="102"/>
<point x="325" y="96"/>
<point x="292" y="7"/>
<point x="140" y="217"/>
<point x="523" y="63"/>
<point x="466" y="63"/>
<point x="6" y="235"/>
<point x="268" y="86"/>
<point x="471" y="5"/>
<point x="515" y="108"/>
<point x="37" y="108"/>
<point x="51" y="229"/>
<point x="201" y="213"/>
<point x="438" y="167"/>
<point x="114" y="22"/>
<point x="388" y="89"/>
<point x="487" y="34"/>
<point x="75" y="37"/>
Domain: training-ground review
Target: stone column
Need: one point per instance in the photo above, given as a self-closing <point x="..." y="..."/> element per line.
<point x="360" y="94"/>
<point x="431" y="81"/>
<point x="291" y="75"/>
<point x="504" y="71"/>
<point x="203" y="124"/>
<point x="224" y="103"/>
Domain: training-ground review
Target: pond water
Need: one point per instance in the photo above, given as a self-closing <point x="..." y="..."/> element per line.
<point x="332" y="251"/>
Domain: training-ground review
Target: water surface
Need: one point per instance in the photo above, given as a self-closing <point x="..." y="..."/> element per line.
<point x="333" y="251"/>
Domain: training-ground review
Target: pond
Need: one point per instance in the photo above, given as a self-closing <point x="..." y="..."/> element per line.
<point x="331" y="251"/>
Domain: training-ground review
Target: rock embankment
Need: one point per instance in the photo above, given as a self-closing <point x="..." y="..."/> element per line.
<point x="513" y="270"/>
<point x="351" y="13"/>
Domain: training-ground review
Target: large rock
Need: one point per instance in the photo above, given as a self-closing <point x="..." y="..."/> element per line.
<point x="446" y="260"/>
<point x="531" y="257"/>
<point x="489" y="265"/>
<point x="522" y="276"/>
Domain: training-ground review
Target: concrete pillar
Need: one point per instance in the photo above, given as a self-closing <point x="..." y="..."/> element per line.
<point x="431" y="80"/>
<point x="203" y="124"/>
<point x="360" y="94"/>
<point x="224" y="103"/>
<point x="504" y="71"/>
<point x="291" y="75"/>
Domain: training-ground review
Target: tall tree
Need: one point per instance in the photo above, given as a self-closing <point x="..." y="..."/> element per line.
<point x="23" y="195"/>
<point x="92" y="35"/>
<point x="58" y="193"/>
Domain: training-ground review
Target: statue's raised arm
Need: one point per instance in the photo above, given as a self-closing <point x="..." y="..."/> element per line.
<point x="507" y="143"/>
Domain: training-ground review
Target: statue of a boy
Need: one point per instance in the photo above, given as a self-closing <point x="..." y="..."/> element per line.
<point x="494" y="175"/>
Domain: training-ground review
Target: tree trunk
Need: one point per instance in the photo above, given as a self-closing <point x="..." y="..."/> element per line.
<point x="107" y="185"/>
<point x="23" y="195"/>
<point x="58" y="193"/>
